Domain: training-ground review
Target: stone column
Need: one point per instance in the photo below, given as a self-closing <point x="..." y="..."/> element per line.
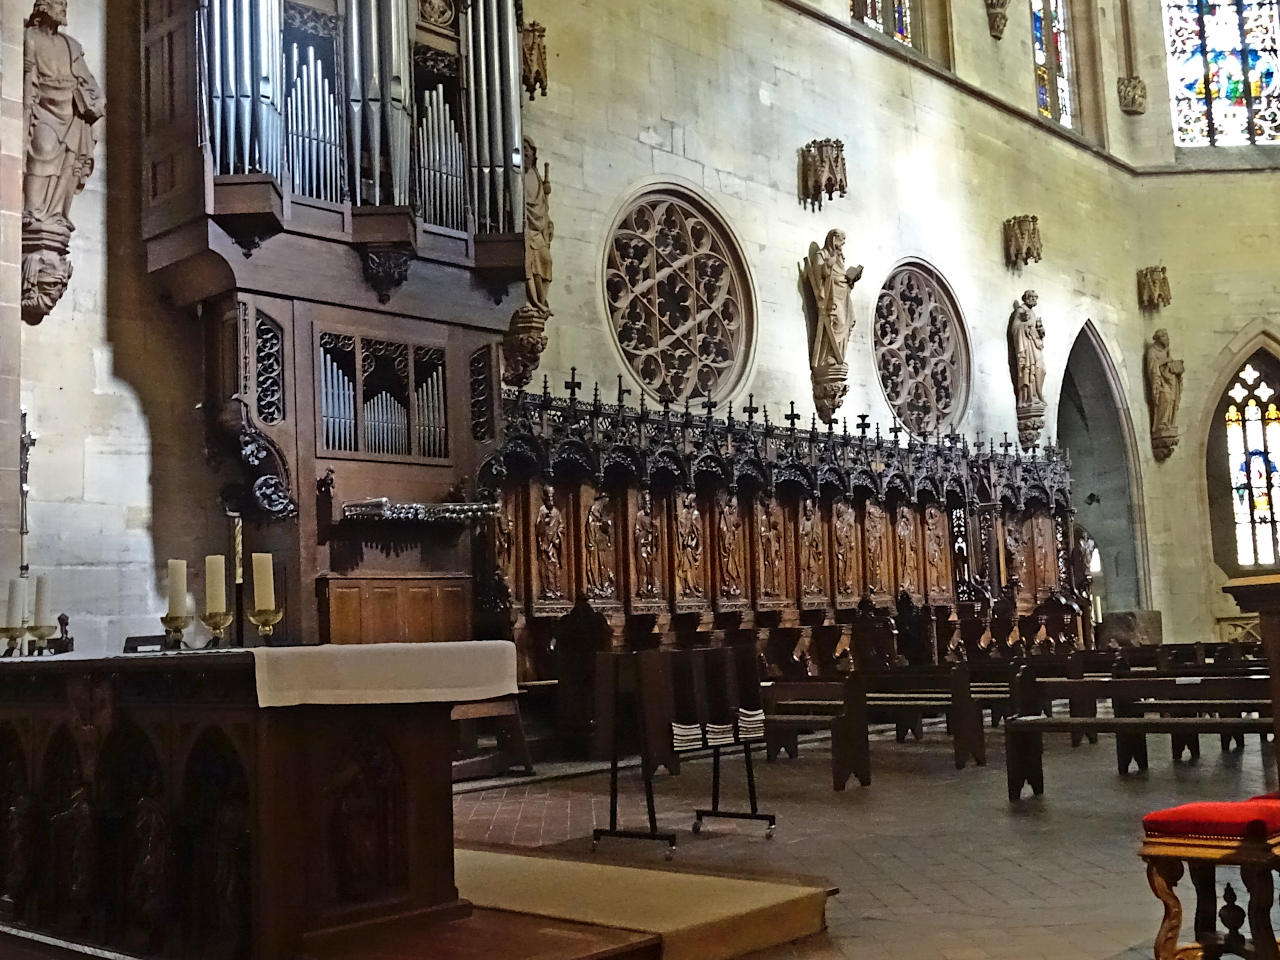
<point x="11" y="138"/>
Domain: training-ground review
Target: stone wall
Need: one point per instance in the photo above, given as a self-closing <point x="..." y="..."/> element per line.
<point x="720" y="95"/>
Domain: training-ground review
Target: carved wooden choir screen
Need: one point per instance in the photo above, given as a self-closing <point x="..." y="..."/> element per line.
<point x="921" y="350"/>
<point x="381" y="398"/>
<point x="679" y="297"/>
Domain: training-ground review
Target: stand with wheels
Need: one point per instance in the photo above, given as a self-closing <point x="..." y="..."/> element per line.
<point x="715" y="810"/>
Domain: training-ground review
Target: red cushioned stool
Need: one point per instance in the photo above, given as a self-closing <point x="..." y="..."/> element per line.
<point x="1244" y="834"/>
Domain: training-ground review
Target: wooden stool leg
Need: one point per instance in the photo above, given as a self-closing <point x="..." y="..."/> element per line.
<point x="1203" y="878"/>
<point x="1163" y="874"/>
<point x="1257" y="880"/>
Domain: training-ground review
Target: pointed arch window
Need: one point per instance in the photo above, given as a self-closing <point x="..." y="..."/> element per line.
<point x="1051" y="42"/>
<point x="890" y="17"/>
<point x="1247" y="467"/>
<point x="1224" y="71"/>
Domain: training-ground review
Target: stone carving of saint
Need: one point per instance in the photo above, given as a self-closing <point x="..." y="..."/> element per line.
<point x="770" y="551"/>
<point x="846" y="536"/>
<point x="599" y="549"/>
<point x="832" y="283"/>
<point x="907" y="553"/>
<point x="61" y="103"/>
<point x="689" y="547"/>
<point x="811" y="549"/>
<point x="539" y="230"/>
<point x="875" y="524"/>
<point x="1026" y="350"/>
<point x="646" y="537"/>
<point x="730" y="528"/>
<point x="549" y="529"/>
<point x="1163" y="376"/>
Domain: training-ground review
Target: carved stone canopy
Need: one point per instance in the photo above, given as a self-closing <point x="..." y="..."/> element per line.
<point x="1022" y="240"/>
<point x="533" y="58"/>
<point x="1153" y="288"/>
<point x="523" y="345"/>
<point x="1133" y="95"/>
<point x="822" y="170"/>
<point x="997" y="18"/>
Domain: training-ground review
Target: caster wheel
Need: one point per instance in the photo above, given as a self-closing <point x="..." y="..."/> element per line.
<point x="768" y="834"/>
<point x="595" y="845"/>
<point x="697" y="826"/>
<point x="670" y="854"/>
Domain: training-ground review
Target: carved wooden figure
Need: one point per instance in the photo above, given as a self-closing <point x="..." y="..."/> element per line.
<point x="732" y="586"/>
<point x="600" y="531"/>
<point x="62" y="103"/>
<point x="939" y="588"/>
<point x="773" y="589"/>
<point x="689" y="555"/>
<point x="846" y="555"/>
<point x="648" y="543"/>
<point x="1162" y="375"/>
<point x="906" y="543"/>
<point x="813" y="587"/>
<point x="551" y="589"/>
<point x="877" y="540"/>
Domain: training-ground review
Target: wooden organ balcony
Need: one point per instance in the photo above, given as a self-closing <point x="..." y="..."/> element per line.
<point x="335" y="192"/>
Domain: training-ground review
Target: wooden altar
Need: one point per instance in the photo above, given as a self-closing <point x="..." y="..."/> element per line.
<point x="212" y="807"/>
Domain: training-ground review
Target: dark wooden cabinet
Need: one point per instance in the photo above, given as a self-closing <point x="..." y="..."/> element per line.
<point x="384" y="610"/>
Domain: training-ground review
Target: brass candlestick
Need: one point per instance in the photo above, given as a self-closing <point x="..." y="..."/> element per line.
<point x="41" y="635"/>
<point x="266" y="620"/>
<point x="174" y="627"/>
<point x="14" y="635"/>
<point x="217" y="624"/>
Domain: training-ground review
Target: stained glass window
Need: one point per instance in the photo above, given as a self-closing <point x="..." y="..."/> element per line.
<point x="1252" y="424"/>
<point x="887" y="16"/>
<point x="1052" y="47"/>
<point x="1222" y="61"/>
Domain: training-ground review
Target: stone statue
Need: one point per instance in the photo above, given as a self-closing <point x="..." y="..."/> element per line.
<point x="549" y="529"/>
<point x="908" y="555"/>
<point x="875" y="524"/>
<point x="1163" y="376"/>
<point x="844" y="525"/>
<point x="770" y="551"/>
<point x="598" y="544"/>
<point x="539" y="230"/>
<point x="832" y="283"/>
<point x="730" y="528"/>
<point x="811" y="549"/>
<point x="689" y="548"/>
<point x="1026" y="367"/>
<point x="61" y="103"/>
<point x="646" y="537"/>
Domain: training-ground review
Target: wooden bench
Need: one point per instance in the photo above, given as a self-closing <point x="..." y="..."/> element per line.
<point x="1136" y="701"/>
<point x="793" y="707"/>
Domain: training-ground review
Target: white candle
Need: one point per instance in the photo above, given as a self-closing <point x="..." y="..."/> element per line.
<point x="177" y="588"/>
<point x="17" y="602"/>
<point x="44" y="616"/>
<point x="264" y="582"/>
<point x="215" y="584"/>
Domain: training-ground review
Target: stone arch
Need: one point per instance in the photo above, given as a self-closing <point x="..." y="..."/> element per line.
<point x="1094" y="422"/>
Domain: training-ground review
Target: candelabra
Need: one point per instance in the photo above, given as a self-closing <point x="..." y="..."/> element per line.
<point x="41" y="633"/>
<point x="174" y="627"/>
<point x="17" y="642"/>
<point x="266" y="620"/>
<point x="217" y="624"/>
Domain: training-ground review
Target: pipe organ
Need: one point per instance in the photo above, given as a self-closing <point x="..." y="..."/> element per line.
<point x="352" y="259"/>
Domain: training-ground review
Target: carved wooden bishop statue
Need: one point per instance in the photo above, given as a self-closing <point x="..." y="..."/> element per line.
<point x="832" y="283"/>
<point x="61" y="103"/>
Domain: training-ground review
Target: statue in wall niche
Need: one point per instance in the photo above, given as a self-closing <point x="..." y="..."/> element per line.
<point x="831" y="283"/>
<point x="549" y="529"/>
<point x="61" y="104"/>
<point x="688" y="547"/>
<point x="730" y="554"/>
<point x="844" y="524"/>
<point x="1163" y="376"/>
<point x="907" y="552"/>
<point x="598" y="544"/>
<point x="1026" y="367"/>
<point x="646" y="537"/>
<point x="811" y="549"/>
<point x="770" y="551"/>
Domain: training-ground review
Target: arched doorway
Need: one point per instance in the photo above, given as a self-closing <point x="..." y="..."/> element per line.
<point x="1095" y="427"/>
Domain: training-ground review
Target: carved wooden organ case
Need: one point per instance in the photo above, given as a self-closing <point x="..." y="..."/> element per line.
<point x="334" y="190"/>
<point x="679" y="527"/>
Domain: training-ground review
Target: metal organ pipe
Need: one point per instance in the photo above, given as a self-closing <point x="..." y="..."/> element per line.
<point x="441" y="177"/>
<point x="513" y="152"/>
<point x="314" y="149"/>
<point x="355" y="101"/>
<point x="246" y="82"/>
<point x="493" y="78"/>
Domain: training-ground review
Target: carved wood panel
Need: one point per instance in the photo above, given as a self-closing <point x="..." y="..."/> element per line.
<point x="877" y="538"/>
<point x="394" y="610"/>
<point x="846" y="556"/>
<point x="1045" y="553"/>
<point x="907" y="553"/>
<point x="598" y="524"/>
<point x="939" y="590"/>
<point x="1019" y="558"/>
<point x="551" y="546"/>
<point x="648" y="591"/>
<point x="689" y="538"/>
<point x="813" y="583"/>
<point x="774" y="549"/>
<point x="510" y="547"/>
<point x="731" y="530"/>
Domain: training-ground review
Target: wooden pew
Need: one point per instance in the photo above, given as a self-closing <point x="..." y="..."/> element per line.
<point x="1137" y="703"/>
